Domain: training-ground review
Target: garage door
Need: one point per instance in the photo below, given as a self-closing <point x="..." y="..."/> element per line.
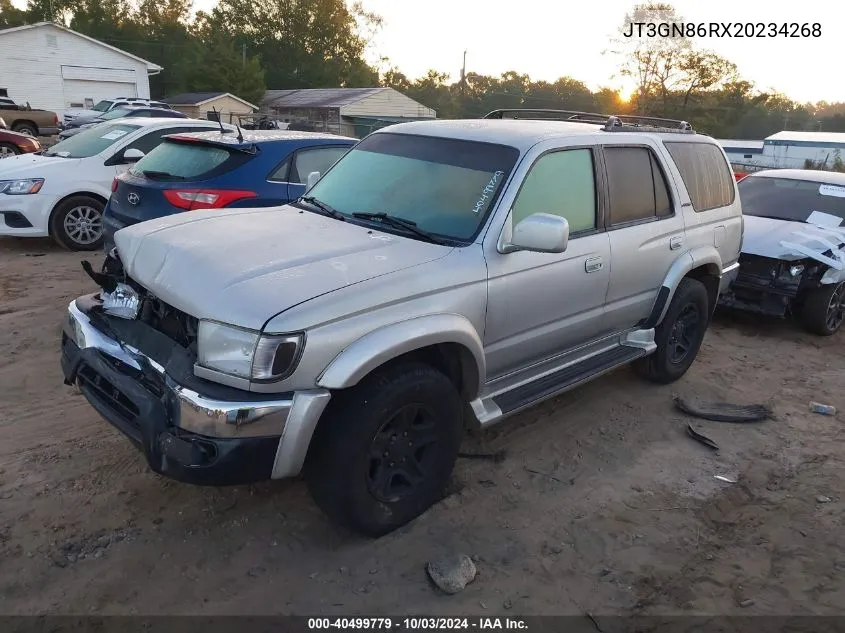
<point x="81" y="84"/>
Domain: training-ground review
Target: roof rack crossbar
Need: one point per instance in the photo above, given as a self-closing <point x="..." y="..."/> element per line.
<point x="610" y="122"/>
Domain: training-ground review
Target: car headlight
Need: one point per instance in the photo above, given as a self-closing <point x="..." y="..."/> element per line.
<point x="21" y="187"/>
<point x="246" y="353"/>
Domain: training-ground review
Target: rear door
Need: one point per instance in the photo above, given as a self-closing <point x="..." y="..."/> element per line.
<point x="646" y="230"/>
<point x="307" y="160"/>
<point x="138" y="197"/>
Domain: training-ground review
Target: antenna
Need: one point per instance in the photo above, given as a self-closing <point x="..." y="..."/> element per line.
<point x="219" y="122"/>
<point x="240" y="134"/>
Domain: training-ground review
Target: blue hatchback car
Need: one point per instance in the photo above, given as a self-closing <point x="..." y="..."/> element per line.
<point x="214" y="170"/>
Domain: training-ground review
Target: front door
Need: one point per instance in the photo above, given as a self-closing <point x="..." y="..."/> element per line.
<point x="542" y="304"/>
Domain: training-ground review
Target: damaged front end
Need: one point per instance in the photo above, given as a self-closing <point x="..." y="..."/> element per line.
<point x="770" y="286"/>
<point x="132" y="356"/>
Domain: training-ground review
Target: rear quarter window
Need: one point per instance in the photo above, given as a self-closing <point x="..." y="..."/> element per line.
<point x="706" y="174"/>
<point x="189" y="161"/>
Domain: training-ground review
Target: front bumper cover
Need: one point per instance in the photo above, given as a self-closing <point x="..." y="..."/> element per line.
<point x="183" y="434"/>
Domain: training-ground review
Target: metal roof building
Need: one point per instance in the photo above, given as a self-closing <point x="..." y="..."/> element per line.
<point x="347" y="111"/>
<point x="787" y="149"/>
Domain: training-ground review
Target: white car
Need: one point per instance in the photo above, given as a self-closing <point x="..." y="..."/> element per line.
<point x="107" y="105"/>
<point x="62" y="191"/>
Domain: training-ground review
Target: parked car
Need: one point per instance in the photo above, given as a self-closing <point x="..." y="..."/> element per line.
<point x="440" y="274"/>
<point x="210" y="170"/>
<point x="128" y="112"/>
<point x="106" y="105"/>
<point x="13" y="143"/>
<point x="793" y="251"/>
<point x="27" y="120"/>
<point x="739" y="175"/>
<point x="62" y="191"/>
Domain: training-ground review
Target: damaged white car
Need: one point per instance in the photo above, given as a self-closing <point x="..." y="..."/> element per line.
<point x="793" y="248"/>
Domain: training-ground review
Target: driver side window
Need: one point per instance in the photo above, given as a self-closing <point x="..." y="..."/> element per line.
<point x="562" y="183"/>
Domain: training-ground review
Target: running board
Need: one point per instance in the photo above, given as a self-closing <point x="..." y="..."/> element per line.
<point x="558" y="382"/>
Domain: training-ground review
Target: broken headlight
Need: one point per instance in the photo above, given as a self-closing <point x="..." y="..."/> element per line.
<point x="246" y="353"/>
<point x="122" y="302"/>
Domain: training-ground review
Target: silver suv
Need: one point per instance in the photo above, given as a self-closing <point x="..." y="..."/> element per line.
<point x="440" y="274"/>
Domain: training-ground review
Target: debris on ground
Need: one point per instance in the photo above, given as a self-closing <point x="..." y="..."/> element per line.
<point x="823" y="409"/>
<point x="823" y="499"/>
<point x="724" y="411"/>
<point x="725" y="479"/>
<point x="748" y="602"/>
<point x="452" y="574"/>
<point x="496" y="457"/>
<point x="702" y="439"/>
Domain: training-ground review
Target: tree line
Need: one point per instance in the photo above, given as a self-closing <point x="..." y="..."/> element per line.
<point x="247" y="46"/>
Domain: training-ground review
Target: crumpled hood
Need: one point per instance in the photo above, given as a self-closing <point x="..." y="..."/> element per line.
<point x="245" y="266"/>
<point x="33" y="165"/>
<point x="763" y="237"/>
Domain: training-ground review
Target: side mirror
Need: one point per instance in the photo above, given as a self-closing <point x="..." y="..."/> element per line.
<point x="312" y="179"/>
<point x="132" y="155"/>
<point x="540" y="233"/>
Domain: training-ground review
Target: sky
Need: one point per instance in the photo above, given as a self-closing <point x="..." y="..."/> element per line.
<point x="546" y="39"/>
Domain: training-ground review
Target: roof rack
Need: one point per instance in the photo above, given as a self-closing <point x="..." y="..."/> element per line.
<point x="610" y="122"/>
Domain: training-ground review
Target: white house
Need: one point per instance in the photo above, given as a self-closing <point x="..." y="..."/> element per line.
<point x="348" y="111"/>
<point x="786" y="150"/>
<point x="55" y="68"/>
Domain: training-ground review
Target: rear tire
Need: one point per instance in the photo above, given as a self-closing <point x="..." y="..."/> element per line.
<point x="77" y="223"/>
<point x="386" y="448"/>
<point x="7" y="150"/>
<point x="25" y="128"/>
<point x="824" y="309"/>
<point x="679" y="335"/>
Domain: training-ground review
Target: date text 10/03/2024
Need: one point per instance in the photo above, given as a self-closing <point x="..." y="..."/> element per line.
<point x="418" y="624"/>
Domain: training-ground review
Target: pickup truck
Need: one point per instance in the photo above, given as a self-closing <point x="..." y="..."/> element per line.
<point x="28" y="120"/>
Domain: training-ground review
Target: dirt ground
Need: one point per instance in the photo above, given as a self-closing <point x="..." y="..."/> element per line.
<point x="602" y="505"/>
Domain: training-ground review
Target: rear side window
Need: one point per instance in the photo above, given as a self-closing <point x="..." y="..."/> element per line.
<point x="187" y="161"/>
<point x="638" y="189"/>
<point x="706" y="174"/>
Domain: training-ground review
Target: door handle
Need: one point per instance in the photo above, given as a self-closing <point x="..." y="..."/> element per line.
<point x="676" y="242"/>
<point x="593" y="264"/>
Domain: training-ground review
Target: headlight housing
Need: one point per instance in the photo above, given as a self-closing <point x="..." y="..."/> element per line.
<point x="21" y="187"/>
<point x="247" y="354"/>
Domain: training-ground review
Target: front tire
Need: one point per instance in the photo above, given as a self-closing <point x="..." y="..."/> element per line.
<point x="386" y="448"/>
<point x="7" y="150"/>
<point x="824" y="309"/>
<point x="679" y="335"/>
<point x="77" y="223"/>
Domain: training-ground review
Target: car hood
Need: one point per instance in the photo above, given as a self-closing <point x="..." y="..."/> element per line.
<point x="768" y="237"/>
<point x="33" y="165"/>
<point x="245" y="266"/>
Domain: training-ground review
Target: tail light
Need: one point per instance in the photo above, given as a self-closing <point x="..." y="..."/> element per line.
<point x="193" y="199"/>
<point x="114" y="185"/>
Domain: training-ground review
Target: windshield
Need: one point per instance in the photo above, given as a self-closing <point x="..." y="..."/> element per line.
<point x="793" y="200"/>
<point x="445" y="186"/>
<point x="117" y="113"/>
<point x="92" y="141"/>
<point x="102" y="106"/>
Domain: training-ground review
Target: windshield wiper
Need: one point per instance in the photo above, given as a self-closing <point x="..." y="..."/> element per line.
<point x="408" y="225"/>
<point x="161" y="175"/>
<point x="322" y="206"/>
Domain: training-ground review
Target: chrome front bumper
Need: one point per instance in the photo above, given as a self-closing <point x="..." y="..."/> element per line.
<point x="291" y="418"/>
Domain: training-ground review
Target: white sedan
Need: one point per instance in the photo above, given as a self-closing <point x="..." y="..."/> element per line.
<point x="62" y="191"/>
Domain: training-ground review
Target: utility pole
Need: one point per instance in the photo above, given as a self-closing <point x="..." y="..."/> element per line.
<point x="243" y="55"/>
<point x="464" y="74"/>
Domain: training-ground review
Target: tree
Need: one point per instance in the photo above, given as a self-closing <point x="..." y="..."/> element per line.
<point x="216" y="64"/>
<point x="10" y="16"/>
<point x="303" y="43"/>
